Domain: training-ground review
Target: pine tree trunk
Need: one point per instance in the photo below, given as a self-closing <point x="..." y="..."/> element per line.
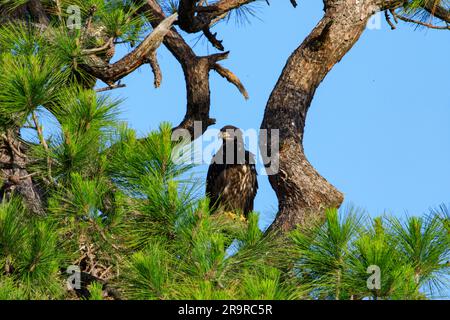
<point x="302" y="192"/>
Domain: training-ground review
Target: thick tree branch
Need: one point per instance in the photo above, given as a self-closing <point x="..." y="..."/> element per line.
<point x="195" y="69"/>
<point x="196" y="72"/>
<point x="302" y="193"/>
<point x="110" y="73"/>
<point x="195" y="18"/>
<point x="188" y="20"/>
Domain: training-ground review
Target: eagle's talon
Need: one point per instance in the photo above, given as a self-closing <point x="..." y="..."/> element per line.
<point x="231" y="215"/>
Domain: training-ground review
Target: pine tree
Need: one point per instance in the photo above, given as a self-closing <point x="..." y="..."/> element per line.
<point x="81" y="191"/>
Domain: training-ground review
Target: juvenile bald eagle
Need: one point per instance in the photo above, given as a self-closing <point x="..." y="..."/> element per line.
<point x="231" y="181"/>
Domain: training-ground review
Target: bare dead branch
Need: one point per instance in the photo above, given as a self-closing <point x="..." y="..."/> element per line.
<point x="212" y="38"/>
<point x="196" y="72"/>
<point x="110" y="73"/>
<point x="232" y="78"/>
<point x="156" y="69"/>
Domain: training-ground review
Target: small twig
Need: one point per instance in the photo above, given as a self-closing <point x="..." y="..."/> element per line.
<point x="101" y="276"/>
<point x="105" y="47"/>
<point x="27" y="176"/>
<point x="44" y="144"/>
<point x="388" y="20"/>
<point x="91" y="13"/>
<point x="39" y="130"/>
<point x="428" y="25"/>
<point x="392" y="11"/>
<point x="30" y="127"/>
<point x="153" y="61"/>
<point x="112" y="87"/>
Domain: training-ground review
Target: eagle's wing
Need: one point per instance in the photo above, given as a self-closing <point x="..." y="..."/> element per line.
<point x="252" y="184"/>
<point x="212" y="188"/>
<point x="210" y="177"/>
<point x="233" y="186"/>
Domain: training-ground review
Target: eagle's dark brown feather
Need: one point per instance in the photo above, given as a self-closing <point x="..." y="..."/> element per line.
<point x="232" y="186"/>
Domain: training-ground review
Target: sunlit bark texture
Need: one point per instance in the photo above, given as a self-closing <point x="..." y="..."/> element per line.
<point x="302" y="192"/>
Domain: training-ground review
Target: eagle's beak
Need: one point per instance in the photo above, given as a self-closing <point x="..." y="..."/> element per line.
<point x="224" y="135"/>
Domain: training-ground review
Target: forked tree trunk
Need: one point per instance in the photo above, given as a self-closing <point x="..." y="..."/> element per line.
<point x="302" y="192"/>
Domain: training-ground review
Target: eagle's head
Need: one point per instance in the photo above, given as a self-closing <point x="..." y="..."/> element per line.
<point x="230" y="133"/>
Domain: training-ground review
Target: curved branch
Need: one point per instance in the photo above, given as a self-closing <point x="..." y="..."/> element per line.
<point x="110" y="73"/>
<point x="303" y="194"/>
<point x="156" y="69"/>
<point x="196" y="73"/>
<point x="232" y="78"/>
<point x="418" y="22"/>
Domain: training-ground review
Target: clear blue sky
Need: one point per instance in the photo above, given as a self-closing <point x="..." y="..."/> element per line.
<point x="379" y="125"/>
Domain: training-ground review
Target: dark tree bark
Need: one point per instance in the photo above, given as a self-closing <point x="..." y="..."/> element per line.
<point x="196" y="73"/>
<point x="14" y="175"/>
<point x="303" y="194"/>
